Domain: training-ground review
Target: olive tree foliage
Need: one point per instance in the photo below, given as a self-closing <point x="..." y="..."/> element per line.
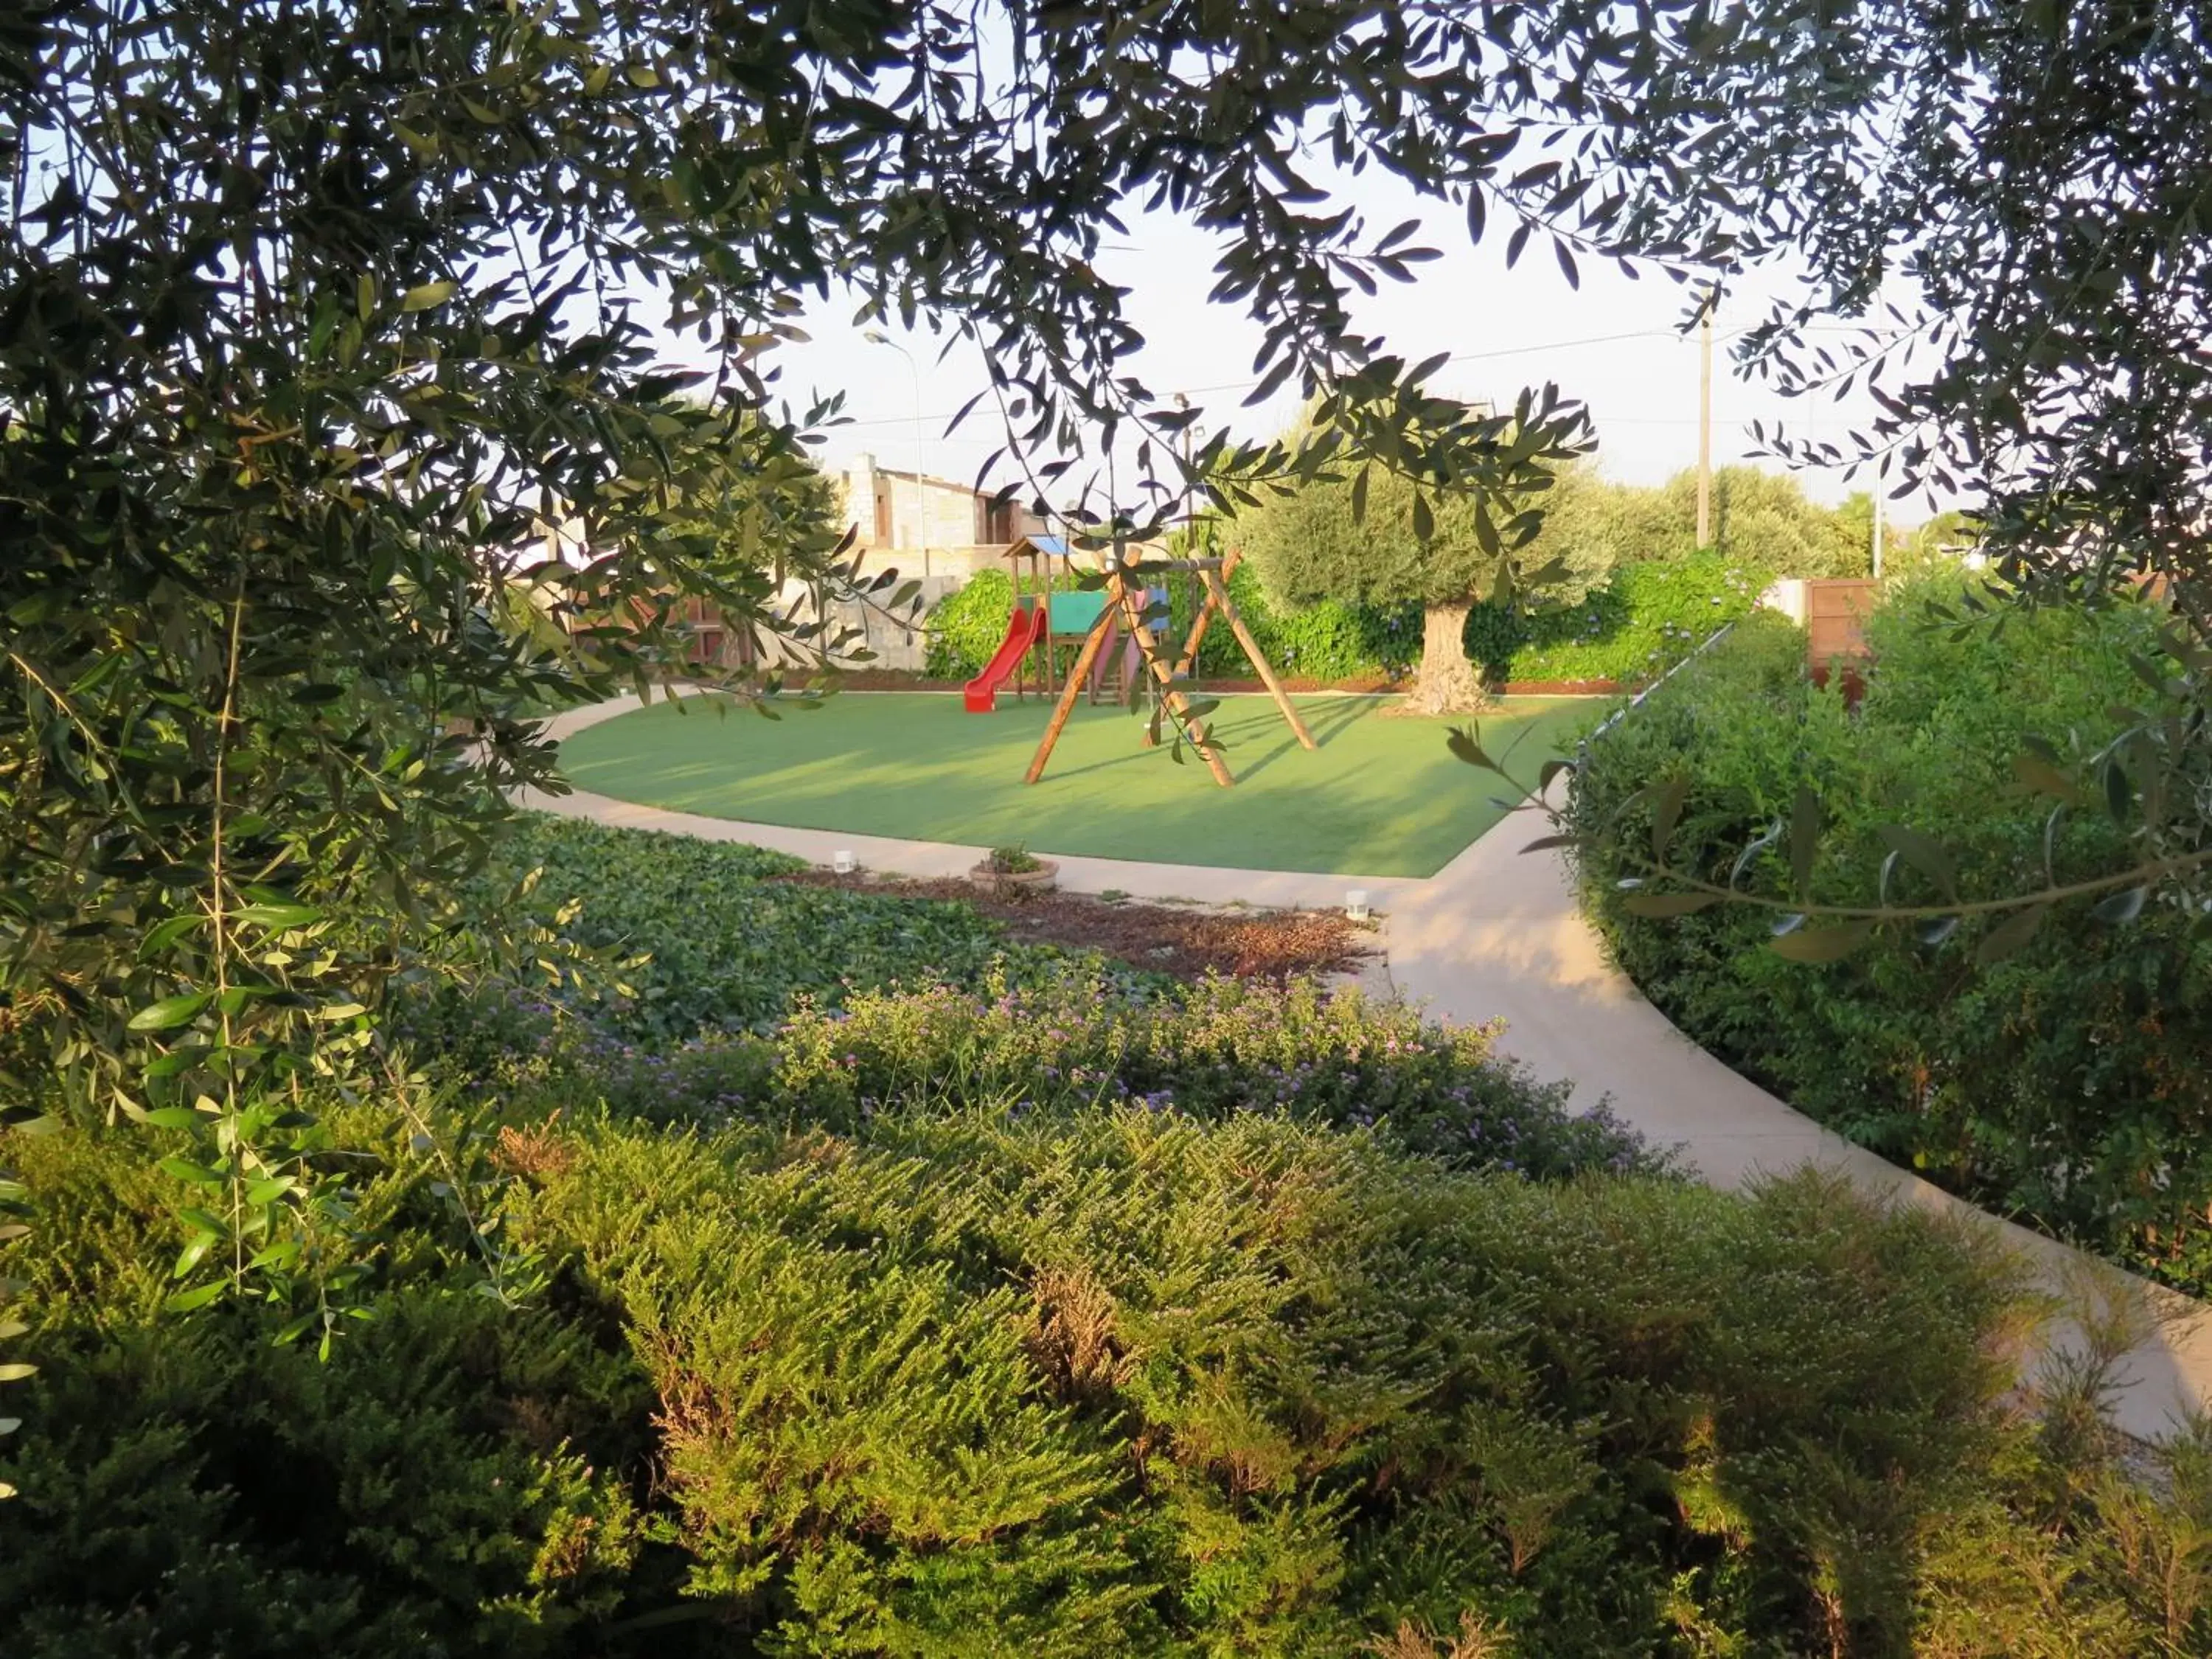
<point x="1373" y="538"/>
<point x="314" y="318"/>
<point x="2009" y="199"/>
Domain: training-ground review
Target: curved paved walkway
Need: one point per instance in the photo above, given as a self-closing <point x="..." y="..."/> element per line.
<point x="1498" y="934"/>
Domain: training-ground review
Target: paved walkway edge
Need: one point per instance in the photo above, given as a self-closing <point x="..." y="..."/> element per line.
<point x="1499" y="935"/>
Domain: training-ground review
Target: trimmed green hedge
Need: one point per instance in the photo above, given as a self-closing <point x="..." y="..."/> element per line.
<point x="1644" y="619"/>
<point x="2065" y="1086"/>
<point x="1327" y="642"/>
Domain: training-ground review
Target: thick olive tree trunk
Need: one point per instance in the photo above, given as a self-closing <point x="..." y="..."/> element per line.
<point x="1445" y="683"/>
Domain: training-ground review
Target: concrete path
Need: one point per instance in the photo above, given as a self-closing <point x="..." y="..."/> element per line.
<point x="1498" y="934"/>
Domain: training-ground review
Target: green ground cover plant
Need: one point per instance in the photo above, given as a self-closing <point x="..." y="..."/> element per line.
<point x="726" y="1003"/>
<point x="1107" y="1380"/>
<point x="724" y="946"/>
<point x="2064" y="1084"/>
<point x="955" y="1313"/>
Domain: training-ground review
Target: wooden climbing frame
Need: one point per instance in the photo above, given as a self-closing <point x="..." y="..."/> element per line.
<point x="1169" y="679"/>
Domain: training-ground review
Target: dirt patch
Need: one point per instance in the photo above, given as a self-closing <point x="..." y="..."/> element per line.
<point x="1187" y="943"/>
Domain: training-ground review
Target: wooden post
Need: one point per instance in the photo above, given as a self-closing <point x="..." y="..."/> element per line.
<point x="1073" y="686"/>
<point x="1188" y="667"/>
<point x="1164" y="681"/>
<point x="1221" y="597"/>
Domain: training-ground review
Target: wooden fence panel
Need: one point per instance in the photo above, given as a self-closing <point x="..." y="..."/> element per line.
<point x="1835" y="618"/>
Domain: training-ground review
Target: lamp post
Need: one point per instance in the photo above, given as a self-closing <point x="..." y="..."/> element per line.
<point x="877" y="337"/>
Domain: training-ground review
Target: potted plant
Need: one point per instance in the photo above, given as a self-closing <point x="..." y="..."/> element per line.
<point x="1015" y="866"/>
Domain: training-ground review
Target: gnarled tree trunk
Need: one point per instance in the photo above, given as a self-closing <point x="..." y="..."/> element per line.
<point x="1445" y="683"/>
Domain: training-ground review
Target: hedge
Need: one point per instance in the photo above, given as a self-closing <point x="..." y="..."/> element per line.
<point x="1327" y="642"/>
<point x="1644" y="619"/>
<point x="2065" y="1086"/>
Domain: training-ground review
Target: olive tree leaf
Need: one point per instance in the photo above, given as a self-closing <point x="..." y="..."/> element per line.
<point x="2040" y="777"/>
<point x="170" y="1012"/>
<point x="1821" y="945"/>
<point x="1666" y="812"/>
<point x="1925" y="853"/>
<point x="2009" y="935"/>
<point x="2121" y="908"/>
<point x="1805" y="824"/>
<point x="1664" y="906"/>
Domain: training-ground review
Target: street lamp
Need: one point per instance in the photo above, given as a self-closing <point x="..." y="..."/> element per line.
<point x="877" y="337"/>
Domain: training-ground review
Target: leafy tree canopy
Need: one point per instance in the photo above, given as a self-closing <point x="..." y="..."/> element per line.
<point x="310" y="316"/>
<point x="314" y="318"/>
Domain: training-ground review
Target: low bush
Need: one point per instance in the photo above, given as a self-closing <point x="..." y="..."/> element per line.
<point x="1071" y="1381"/>
<point x="1221" y="1047"/>
<point x="455" y="1480"/>
<point x="724" y="947"/>
<point x="1646" y="617"/>
<point x="2065" y="1085"/>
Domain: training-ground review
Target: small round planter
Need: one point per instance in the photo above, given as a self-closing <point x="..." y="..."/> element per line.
<point x="1042" y="879"/>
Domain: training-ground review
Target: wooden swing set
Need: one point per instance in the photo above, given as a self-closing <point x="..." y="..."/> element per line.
<point x="1124" y="608"/>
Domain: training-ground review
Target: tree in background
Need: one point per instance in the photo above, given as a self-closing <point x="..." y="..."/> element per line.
<point x="1944" y="542"/>
<point x="1762" y="521"/>
<point x="1328" y="539"/>
<point x="1765" y="521"/>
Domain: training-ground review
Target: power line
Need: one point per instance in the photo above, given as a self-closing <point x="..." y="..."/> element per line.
<point x="1721" y="336"/>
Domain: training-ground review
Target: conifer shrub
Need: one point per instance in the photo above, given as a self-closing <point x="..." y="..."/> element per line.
<point x="1077" y="1380"/>
<point x="1209" y="1050"/>
<point x="1108" y="1380"/>
<point x="449" y="1482"/>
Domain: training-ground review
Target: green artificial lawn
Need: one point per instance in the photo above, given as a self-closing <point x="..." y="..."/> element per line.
<point x="1381" y="796"/>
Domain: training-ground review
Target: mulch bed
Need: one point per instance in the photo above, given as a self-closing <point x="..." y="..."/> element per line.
<point x="1186" y="943"/>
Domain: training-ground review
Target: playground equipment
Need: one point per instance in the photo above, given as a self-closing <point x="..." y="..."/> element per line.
<point x="1042" y="618"/>
<point x="1025" y="629"/>
<point x="1122" y="608"/>
<point x="1117" y="668"/>
<point x="1030" y="562"/>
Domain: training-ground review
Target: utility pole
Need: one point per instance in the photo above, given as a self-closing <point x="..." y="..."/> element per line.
<point x="877" y="337"/>
<point x="1877" y="527"/>
<point x="1705" y="417"/>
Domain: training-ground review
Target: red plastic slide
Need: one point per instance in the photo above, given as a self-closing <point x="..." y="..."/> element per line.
<point x="1024" y="630"/>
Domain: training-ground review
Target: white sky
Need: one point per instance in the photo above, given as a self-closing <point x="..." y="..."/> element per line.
<point x="1615" y="343"/>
